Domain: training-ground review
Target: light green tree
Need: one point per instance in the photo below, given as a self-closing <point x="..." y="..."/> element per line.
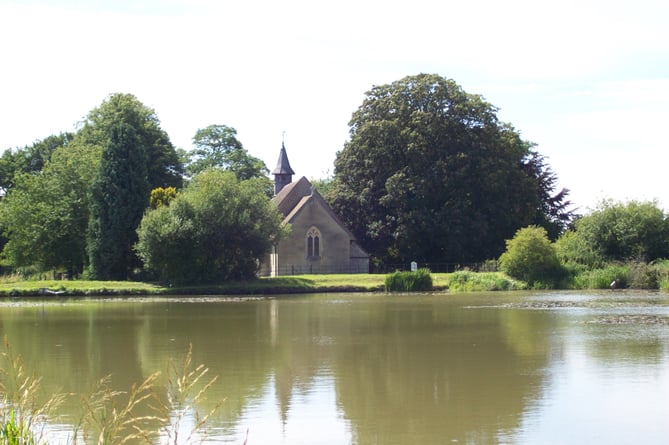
<point x="617" y="231"/>
<point x="30" y="159"/>
<point x="45" y="216"/>
<point x="217" y="229"/>
<point x="217" y="146"/>
<point x="531" y="257"/>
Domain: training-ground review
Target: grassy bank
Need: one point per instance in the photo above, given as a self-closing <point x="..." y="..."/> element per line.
<point x="266" y="286"/>
<point x="458" y="281"/>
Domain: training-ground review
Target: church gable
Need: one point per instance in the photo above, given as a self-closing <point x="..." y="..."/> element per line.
<point x="318" y="242"/>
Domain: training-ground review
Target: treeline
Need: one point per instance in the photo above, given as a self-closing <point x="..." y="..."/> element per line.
<point x="617" y="245"/>
<point x="74" y="202"/>
<point x="429" y="174"/>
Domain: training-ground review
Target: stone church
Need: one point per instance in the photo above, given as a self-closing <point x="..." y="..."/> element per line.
<point x="319" y="243"/>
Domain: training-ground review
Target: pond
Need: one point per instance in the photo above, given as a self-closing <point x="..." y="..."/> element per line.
<point x="473" y="368"/>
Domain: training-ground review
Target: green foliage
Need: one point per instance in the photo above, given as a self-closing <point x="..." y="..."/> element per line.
<point x="45" y="216"/>
<point x="467" y="281"/>
<point x="164" y="167"/>
<point x="30" y="159"/>
<point x="554" y="213"/>
<point x="120" y="193"/>
<point x="663" y="274"/>
<point x="603" y="277"/>
<point x="12" y="432"/>
<point x="418" y="281"/>
<point x="325" y="187"/>
<point x="573" y="251"/>
<point x="217" y="146"/>
<point x="217" y="229"/>
<point x="633" y="231"/>
<point x="531" y="257"/>
<point x="634" y="275"/>
<point x="430" y="173"/>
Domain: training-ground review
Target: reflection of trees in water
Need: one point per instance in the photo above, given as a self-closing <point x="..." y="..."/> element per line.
<point x="73" y="346"/>
<point x="437" y="373"/>
<point x="404" y="373"/>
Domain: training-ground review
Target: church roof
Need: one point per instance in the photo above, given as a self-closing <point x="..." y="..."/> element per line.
<point x="295" y="196"/>
<point x="283" y="166"/>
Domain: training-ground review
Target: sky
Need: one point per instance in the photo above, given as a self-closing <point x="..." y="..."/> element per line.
<point x="586" y="80"/>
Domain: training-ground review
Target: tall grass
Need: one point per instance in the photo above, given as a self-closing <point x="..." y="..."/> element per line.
<point x="23" y="416"/>
<point x="109" y="417"/>
<point x="467" y="281"/>
<point x="418" y="281"/>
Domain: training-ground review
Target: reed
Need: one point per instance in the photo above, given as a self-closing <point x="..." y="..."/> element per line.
<point x="186" y="387"/>
<point x="418" y="281"/>
<point x="23" y="416"/>
<point x="153" y="411"/>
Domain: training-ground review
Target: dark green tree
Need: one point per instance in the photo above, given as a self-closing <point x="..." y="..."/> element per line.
<point x="430" y="174"/>
<point x="217" y="229"/>
<point x="119" y="196"/>
<point x="555" y="212"/>
<point x="164" y="167"/>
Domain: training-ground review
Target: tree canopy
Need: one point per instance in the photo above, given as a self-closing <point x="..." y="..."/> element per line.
<point x="217" y="146"/>
<point x="30" y="159"/>
<point x="218" y="228"/>
<point x="73" y="201"/>
<point x="430" y="174"/>
<point x="616" y="231"/>
<point x="164" y="165"/>
<point x="45" y="216"/>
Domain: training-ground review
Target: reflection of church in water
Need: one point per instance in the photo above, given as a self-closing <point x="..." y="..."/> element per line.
<point x="318" y="242"/>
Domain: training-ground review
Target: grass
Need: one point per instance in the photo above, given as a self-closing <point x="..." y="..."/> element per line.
<point x="466" y="281"/>
<point x="274" y="285"/>
<point x="109" y="417"/>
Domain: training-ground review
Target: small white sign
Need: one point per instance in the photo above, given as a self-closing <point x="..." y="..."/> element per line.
<point x="414" y="266"/>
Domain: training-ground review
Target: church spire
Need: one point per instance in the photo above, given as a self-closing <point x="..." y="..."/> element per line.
<point x="283" y="174"/>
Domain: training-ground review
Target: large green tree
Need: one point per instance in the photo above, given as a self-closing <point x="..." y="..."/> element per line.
<point x="218" y="228"/>
<point x="217" y="146"/>
<point x="430" y="174"/>
<point x="45" y="216"/>
<point x="119" y="196"/>
<point x="617" y="231"/>
<point x="164" y="166"/>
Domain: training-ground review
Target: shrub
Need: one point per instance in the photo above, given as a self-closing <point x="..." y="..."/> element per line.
<point x="531" y="257"/>
<point x="421" y="280"/>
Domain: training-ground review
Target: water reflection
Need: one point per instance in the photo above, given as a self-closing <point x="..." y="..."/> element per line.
<point x="359" y="368"/>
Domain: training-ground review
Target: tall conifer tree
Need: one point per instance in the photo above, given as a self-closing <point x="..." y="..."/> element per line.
<point x="120" y="194"/>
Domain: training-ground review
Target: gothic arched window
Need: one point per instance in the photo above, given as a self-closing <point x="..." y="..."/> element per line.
<point x="313" y="242"/>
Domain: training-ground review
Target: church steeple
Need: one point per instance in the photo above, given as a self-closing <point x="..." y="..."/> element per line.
<point x="283" y="174"/>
